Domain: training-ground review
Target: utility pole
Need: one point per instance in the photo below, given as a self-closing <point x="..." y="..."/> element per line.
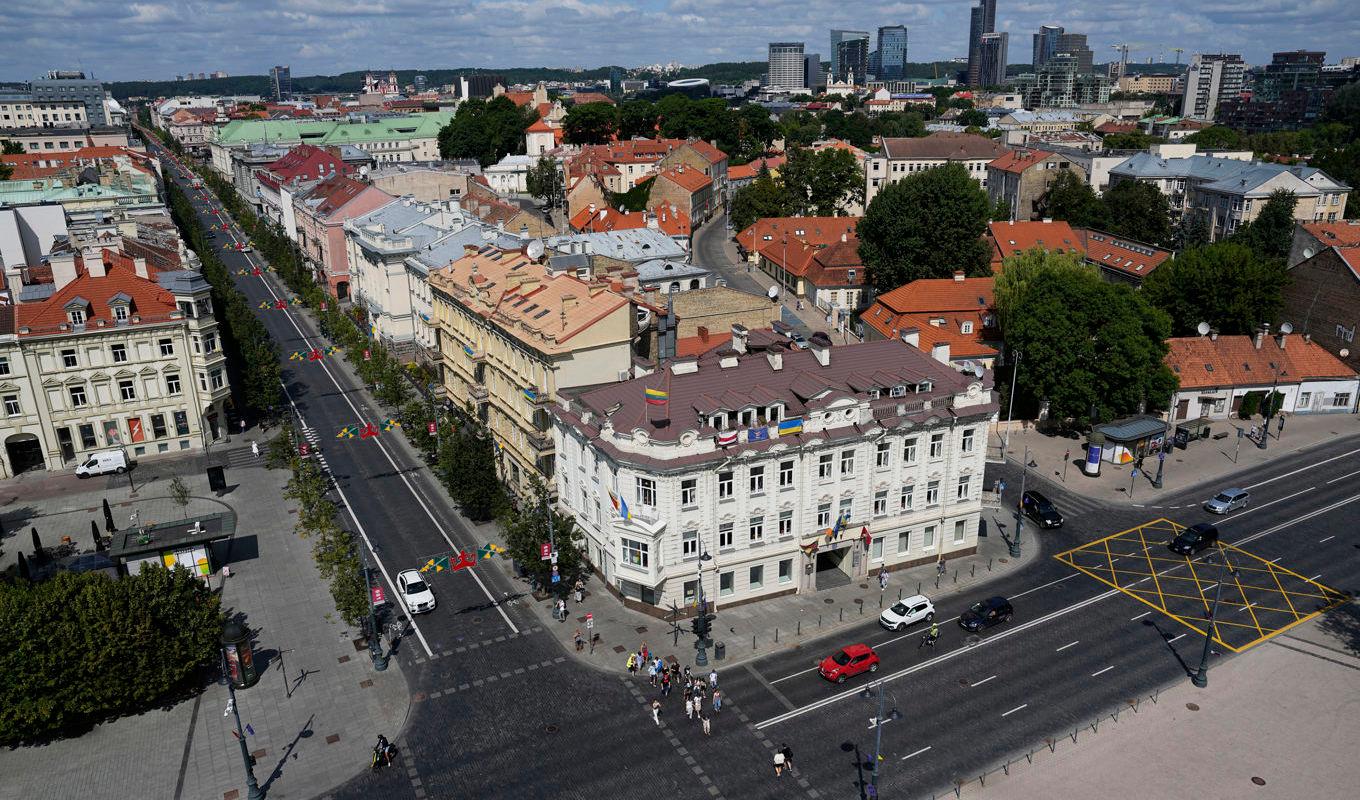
<point x="1166" y="443"/>
<point x="374" y="638"/>
<point x="1015" y="373"/>
<point x="1020" y="510"/>
<point x="1201" y="678"/>
<point x="253" y="791"/>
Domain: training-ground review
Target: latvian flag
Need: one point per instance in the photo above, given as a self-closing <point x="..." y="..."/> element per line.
<point x="727" y="438"/>
<point x="657" y="397"/>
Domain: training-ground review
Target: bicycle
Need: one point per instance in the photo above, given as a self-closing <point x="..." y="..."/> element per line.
<point x="929" y="638"/>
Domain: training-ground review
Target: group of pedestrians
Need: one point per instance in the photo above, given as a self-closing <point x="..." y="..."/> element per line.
<point x="698" y="694"/>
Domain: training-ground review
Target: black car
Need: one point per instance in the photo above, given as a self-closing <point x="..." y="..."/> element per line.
<point x="1041" y="510"/>
<point x="1194" y="539"/>
<point x="992" y="611"/>
<point x="210" y="235"/>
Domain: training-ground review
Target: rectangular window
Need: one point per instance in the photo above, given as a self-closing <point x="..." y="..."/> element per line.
<point x="960" y="528"/>
<point x="724" y="485"/>
<point x="906" y="498"/>
<point x="936" y="446"/>
<point x="965" y="486"/>
<point x="635" y="553"/>
<point x="824" y="466"/>
<point x="846" y="504"/>
<point x="881" y="503"/>
<point x="167" y="347"/>
<point x="727" y="583"/>
<point x="786" y="570"/>
<point x="203" y="381"/>
<point x="757" y="577"/>
<point x="932" y="493"/>
<point x="757" y="530"/>
<point x="68" y="358"/>
<point x="785" y="524"/>
<point x="120" y="313"/>
<point x="1304" y="399"/>
<point x="87" y="438"/>
<point x="119" y="353"/>
<point x="77" y="316"/>
<point x="127" y="390"/>
<point x="691" y="592"/>
<point x="646" y="492"/>
<point x="172" y="386"/>
<point x="928" y="537"/>
<point x="158" y="429"/>
<point x="724" y="536"/>
<point x="181" y="423"/>
<point x="882" y="454"/>
<point x="1341" y="400"/>
<point x="823" y="515"/>
<point x="689" y="492"/>
<point x="12" y="407"/>
<point x="847" y="462"/>
<point x="210" y="343"/>
<point x="4" y="365"/>
<point x="77" y="394"/>
<point x="903" y="541"/>
<point x="689" y="544"/>
<point x="909" y="450"/>
<point x="215" y="378"/>
<point x="785" y="474"/>
<point x="757" y="480"/>
<point x="876" y="549"/>
<point x="967" y="444"/>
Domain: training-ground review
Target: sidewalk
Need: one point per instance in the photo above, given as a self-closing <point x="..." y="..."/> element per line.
<point x="759" y="629"/>
<point x="318" y="704"/>
<point x="1208" y="461"/>
<point x="1277" y="721"/>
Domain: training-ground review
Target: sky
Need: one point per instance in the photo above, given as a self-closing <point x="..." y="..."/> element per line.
<point x="157" y="40"/>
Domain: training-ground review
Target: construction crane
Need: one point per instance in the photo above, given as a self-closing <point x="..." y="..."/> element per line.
<point x="1178" y="51"/>
<point x="1123" y="50"/>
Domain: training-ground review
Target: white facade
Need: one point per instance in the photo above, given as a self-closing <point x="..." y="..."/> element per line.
<point x="510" y="175"/>
<point x="1307" y="397"/>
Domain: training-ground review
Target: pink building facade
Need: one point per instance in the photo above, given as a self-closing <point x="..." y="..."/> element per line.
<point x="321" y="214"/>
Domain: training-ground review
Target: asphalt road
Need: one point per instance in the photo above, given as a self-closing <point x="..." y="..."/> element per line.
<point x="502" y="711"/>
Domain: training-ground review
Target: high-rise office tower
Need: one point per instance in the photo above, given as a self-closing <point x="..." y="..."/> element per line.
<point x="72" y="86"/>
<point x="853" y="57"/>
<point x="982" y="20"/>
<point x="992" y="59"/>
<point x="1213" y="77"/>
<point x="281" y="78"/>
<point x="1074" y="44"/>
<point x="838" y="36"/>
<point x="786" y="66"/>
<point x="1046" y="44"/>
<point x="813" y="77"/>
<point x="892" y="52"/>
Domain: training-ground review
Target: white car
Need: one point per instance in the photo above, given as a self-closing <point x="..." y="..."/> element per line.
<point x="415" y="592"/>
<point x="907" y="611"/>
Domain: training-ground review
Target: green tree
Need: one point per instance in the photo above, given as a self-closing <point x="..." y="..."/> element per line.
<point x="179" y="492"/>
<point x="1341" y="162"/>
<point x="590" y="123"/>
<point x="637" y="118"/>
<point x="1019" y="271"/>
<point x="1138" y="211"/>
<point x="1271" y="234"/>
<point x="468" y="467"/>
<point x="10" y="148"/>
<point x="545" y="180"/>
<point x="855" y="128"/>
<point x="6" y="171"/>
<point x="763" y="197"/>
<point x="926" y="226"/>
<point x="1087" y="343"/>
<point x="822" y="182"/>
<point x="1133" y="140"/>
<point x="1225" y="284"/>
<point x="1344" y="107"/>
<point x="973" y="118"/>
<point x="800" y="128"/>
<point x="1001" y="212"/>
<point x="755" y="130"/>
<point x="486" y="130"/>
<point x="901" y="125"/>
<point x="526" y="529"/>
<point x="1193" y="230"/>
<point x="1216" y="137"/>
<point x="1071" y="199"/>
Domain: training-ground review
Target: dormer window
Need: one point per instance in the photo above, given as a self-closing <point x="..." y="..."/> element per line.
<point x="120" y="313"/>
<point x="76" y="316"/>
<point x="924" y="386"/>
<point x="966" y="327"/>
<point x="719" y="420"/>
<point x="897" y="391"/>
<point x="748" y="417"/>
<point x="874" y="394"/>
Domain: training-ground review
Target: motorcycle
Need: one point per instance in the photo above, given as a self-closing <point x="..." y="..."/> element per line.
<point x="384" y="754"/>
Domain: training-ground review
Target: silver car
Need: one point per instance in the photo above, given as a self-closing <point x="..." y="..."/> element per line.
<point x="1227" y="500"/>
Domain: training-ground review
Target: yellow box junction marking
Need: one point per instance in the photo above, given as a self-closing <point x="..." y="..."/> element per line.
<point x="1261" y="601"/>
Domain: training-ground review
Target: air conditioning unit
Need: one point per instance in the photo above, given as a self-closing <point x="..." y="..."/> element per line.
<point x="625" y="374"/>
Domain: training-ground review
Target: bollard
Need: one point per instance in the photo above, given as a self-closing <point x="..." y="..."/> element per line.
<point x="776" y="636"/>
<point x="899" y="594"/>
<point x="989" y="565"/>
<point x="861" y="609"/>
<point x="880" y="601"/>
<point x="937" y="581"/>
<point x="799" y="632"/>
<point x="819" y="620"/>
<point x="972" y="571"/>
<point x="956" y="576"/>
<point x="842" y="619"/>
<point x="918" y="587"/>
<point x="753" y="641"/>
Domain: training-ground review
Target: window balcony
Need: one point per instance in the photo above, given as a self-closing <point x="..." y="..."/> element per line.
<point x="642" y="520"/>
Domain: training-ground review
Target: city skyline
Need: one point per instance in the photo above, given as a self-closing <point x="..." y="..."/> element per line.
<point x="318" y="39"/>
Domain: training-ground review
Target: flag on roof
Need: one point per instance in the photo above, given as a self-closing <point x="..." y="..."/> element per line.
<point x="789" y="427"/>
<point x="727" y="438"/>
<point x="657" y="397"/>
<point x="761" y="434"/>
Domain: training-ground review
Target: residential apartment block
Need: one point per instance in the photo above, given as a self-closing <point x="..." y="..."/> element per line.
<point x="902" y="157"/>
<point x="1212" y="79"/>
<point x="321" y="214"/>
<point x="765" y="472"/>
<point x="1021" y="178"/>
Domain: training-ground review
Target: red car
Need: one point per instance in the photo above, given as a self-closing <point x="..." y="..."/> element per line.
<point x="848" y="662"/>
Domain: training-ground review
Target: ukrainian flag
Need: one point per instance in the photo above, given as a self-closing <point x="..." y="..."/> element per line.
<point x="789" y="427"/>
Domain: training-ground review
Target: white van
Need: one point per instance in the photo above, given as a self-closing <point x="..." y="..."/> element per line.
<point x="101" y="462"/>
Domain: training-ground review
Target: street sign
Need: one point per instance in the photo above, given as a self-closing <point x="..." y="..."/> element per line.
<point x="554" y="559"/>
<point x="378" y="595"/>
<point x="367" y="355"/>
<point x="430" y="427"/>
<point x="304" y="449"/>
<point x="544" y="551"/>
<point x="590" y="621"/>
<point x="1135" y="472"/>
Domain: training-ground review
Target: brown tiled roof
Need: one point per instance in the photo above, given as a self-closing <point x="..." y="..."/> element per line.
<point x="935" y="295"/>
<point x="933" y="329"/>
<point x="1351" y="257"/>
<point x="581" y="98"/>
<point x="687" y="178"/>
<point x="1343" y="234"/>
<point x="831" y="265"/>
<point x="1201" y="362"/>
<point x="1013" y="238"/>
<point x="1019" y="160"/>
<point x="710" y="153"/>
<point x="149" y="300"/>
<point x="743" y="172"/>
<point x="812" y="230"/>
<point x="334" y="193"/>
<point x="952" y="146"/>
<point x="1122" y="255"/>
<point x="1106" y="128"/>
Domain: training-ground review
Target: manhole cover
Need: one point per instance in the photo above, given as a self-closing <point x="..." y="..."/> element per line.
<point x="550" y="729"/>
<point x="1192" y="706"/>
<point x="864" y="586"/>
<point x="973" y="641"/>
<point x="476" y="620"/>
<point x="1258" y="780"/>
<point x="1003" y="561"/>
<point x="828" y="601"/>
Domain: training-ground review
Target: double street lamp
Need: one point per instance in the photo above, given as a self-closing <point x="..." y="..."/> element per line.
<point x="868" y="694"/>
<point x="1201" y="677"/>
<point x="703" y="621"/>
<point x="1014" y="543"/>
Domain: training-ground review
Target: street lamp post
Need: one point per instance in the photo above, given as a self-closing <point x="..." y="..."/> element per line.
<point x="374" y="638"/>
<point x="702" y="623"/>
<point x="1014" y="544"/>
<point x="1015" y="373"/>
<point x="878" y="733"/>
<point x="1166" y="441"/>
<point x="253" y="791"/>
<point x="1201" y="677"/>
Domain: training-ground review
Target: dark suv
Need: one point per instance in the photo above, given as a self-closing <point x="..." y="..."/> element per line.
<point x="1041" y="510"/>
<point x="1194" y="539"/>
<point x="992" y="611"/>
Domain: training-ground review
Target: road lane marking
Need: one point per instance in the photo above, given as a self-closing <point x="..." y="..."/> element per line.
<point x="979" y="683"/>
<point x="1315" y="577"/>
<point x="917" y="753"/>
<point x="1017" y="708"/>
<point x="1328" y="539"/>
<point x="778" y="695"/>
<point x="1140" y="616"/>
<point x="1174" y="640"/>
<point x="1343" y="477"/>
<point x="874" y="722"/>
<point x="1064" y="647"/>
<point x="1102" y="672"/>
<point x="1301" y="469"/>
<point x="1247" y="511"/>
<point x="1295" y="521"/>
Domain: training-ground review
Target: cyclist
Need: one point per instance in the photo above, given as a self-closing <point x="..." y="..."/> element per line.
<point x="930" y="637"/>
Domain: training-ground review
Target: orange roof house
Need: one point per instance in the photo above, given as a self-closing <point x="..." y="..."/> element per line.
<point x="1013" y="238"/>
<point x="958" y="312"/>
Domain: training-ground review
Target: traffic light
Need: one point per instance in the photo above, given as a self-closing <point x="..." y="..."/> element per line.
<point x="703" y="625"/>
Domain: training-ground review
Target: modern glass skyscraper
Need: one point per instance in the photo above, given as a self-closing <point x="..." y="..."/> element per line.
<point x="1046" y="44"/>
<point x="838" y="36"/>
<point x="892" y="52"/>
<point x="992" y="59"/>
<point x="982" y="20"/>
<point x="853" y="57"/>
<point x="281" y="79"/>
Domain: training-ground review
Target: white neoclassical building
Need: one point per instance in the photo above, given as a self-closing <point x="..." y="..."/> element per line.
<point x="794" y="470"/>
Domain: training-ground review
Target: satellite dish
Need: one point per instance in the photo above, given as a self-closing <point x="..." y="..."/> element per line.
<point x="535" y="249"/>
<point x="1344" y="352"/>
<point x="1203" y="328"/>
<point x="1287" y="328"/>
<point x="773" y="292"/>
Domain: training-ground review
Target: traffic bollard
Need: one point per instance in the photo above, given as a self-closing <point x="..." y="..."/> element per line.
<point x="776" y="636"/>
<point x="972" y="571"/>
<point x="842" y="619"/>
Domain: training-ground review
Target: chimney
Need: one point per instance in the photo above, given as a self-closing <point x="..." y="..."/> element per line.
<point x="1261" y="334"/>
<point x="139" y="266"/>
<point x="739" y="337"/>
<point x="63" y="268"/>
<point x="470" y="249"/>
<point x="528" y="283"/>
<point x="911" y="336"/>
<point x="843" y="236"/>
<point x="958" y="275"/>
<point x="1280" y="337"/>
<point x="820" y="345"/>
<point x="728" y="358"/>
<point x="684" y="365"/>
<point x="940" y="352"/>
<point x="569" y="301"/>
<point x="775" y="355"/>
<point x="95" y="266"/>
<point x="1213" y="334"/>
<point x="14" y="279"/>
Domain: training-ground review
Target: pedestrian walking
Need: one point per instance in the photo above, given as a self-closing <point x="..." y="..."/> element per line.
<point x="561" y="612"/>
<point x="778" y="763"/>
<point x="666" y="684"/>
<point x="632" y="664"/>
<point x="689" y="709"/>
<point x="688" y="679"/>
<point x="255" y="449"/>
<point x="940" y="568"/>
<point x="698" y="706"/>
<point x="717" y="701"/>
<point x="656" y="712"/>
<point x="580" y="640"/>
<point x="883" y="579"/>
<point x="651" y="676"/>
<point x="787" y="753"/>
<point x="689" y="692"/>
<point x="707" y="725"/>
<point x="644" y="651"/>
<point x="580" y="591"/>
<point x="713" y="678"/>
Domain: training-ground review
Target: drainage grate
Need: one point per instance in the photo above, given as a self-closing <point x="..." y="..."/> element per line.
<point x="550" y="729"/>
<point x="1258" y="780"/>
<point x="333" y="738"/>
<point x="1192" y="706"/>
<point x="828" y="601"/>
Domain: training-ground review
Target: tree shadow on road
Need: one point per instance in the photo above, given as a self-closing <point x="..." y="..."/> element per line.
<point x="1343" y="624"/>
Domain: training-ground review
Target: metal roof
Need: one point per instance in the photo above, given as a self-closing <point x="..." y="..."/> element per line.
<point x="1131" y="429"/>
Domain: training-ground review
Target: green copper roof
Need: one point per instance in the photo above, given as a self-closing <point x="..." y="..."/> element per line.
<point x="333" y="132"/>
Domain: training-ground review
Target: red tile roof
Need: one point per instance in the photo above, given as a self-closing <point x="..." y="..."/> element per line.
<point x="1201" y="362"/>
<point x="334" y="193"/>
<point x="1122" y="255"/>
<point x="939" y="309"/>
<point x="305" y="162"/>
<point x="687" y="178"/>
<point x="702" y="343"/>
<point x="710" y="153"/>
<point x="581" y="98"/>
<point x="540" y="126"/>
<point x="1013" y="238"/>
<point x="670" y="220"/>
<point x="1019" y="160"/>
<point x="1342" y="234"/>
<point x="936" y="295"/>
<point x="149" y="300"/>
<point x="520" y="98"/>
<point x="1106" y="128"/>
<point x="1351" y="257"/>
<point x="831" y="265"/>
<point x="812" y="230"/>
<point x="749" y="171"/>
